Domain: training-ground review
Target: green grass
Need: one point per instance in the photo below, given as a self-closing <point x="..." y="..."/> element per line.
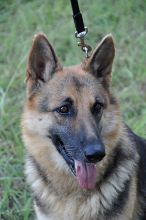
<point x="19" y="21"/>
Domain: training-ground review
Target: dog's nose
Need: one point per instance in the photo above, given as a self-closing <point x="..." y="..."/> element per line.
<point x="94" y="153"/>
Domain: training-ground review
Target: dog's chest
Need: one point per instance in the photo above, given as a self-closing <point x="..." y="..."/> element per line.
<point x="72" y="209"/>
<point x="75" y="207"/>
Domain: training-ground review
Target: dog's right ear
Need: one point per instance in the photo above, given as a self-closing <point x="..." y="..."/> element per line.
<point x="42" y="61"/>
<point x="101" y="60"/>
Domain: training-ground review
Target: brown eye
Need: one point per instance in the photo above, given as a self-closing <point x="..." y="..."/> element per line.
<point x="64" y="109"/>
<point x="97" y="108"/>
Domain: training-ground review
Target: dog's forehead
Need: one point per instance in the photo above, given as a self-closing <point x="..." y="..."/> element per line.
<point x="76" y="81"/>
<point x="71" y="79"/>
<point x="75" y="85"/>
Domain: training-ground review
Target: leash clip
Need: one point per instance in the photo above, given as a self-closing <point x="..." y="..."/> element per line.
<point x="85" y="48"/>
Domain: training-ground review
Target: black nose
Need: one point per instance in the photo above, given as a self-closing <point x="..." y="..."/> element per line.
<point x="94" y="153"/>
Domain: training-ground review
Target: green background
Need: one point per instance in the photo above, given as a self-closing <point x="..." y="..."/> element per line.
<point x="19" y="21"/>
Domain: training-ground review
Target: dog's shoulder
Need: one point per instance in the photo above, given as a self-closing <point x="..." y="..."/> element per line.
<point x="140" y="145"/>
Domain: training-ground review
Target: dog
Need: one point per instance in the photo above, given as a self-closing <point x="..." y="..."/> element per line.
<point x="82" y="161"/>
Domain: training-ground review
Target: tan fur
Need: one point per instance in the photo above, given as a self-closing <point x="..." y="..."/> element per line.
<point x="62" y="196"/>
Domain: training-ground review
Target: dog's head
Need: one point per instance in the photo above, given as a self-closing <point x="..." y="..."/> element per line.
<point x="72" y="108"/>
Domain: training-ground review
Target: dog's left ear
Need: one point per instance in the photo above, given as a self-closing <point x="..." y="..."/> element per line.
<point x="100" y="62"/>
<point x="42" y="61"/>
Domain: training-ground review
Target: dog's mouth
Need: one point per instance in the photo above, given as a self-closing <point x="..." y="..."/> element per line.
<point x="85" y="173"/>
<point x="61" y="149"/>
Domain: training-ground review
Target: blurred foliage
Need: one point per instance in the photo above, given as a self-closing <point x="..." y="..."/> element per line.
<point x="19" y="21"/>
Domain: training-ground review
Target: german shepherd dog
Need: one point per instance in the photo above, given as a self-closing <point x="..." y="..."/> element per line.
<point x="82" y="161"/>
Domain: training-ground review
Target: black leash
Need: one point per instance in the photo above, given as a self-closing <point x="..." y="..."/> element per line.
<point x="81" y="30"/>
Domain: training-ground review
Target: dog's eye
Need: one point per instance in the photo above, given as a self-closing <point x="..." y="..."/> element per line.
<point x="64" y="109"/>
<point x="97" y="108"/>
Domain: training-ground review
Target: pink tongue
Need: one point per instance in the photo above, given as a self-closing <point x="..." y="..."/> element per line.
<point x="85" y="174"/>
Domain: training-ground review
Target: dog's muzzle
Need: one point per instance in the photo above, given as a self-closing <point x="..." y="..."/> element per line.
<point x="84" y="169"/>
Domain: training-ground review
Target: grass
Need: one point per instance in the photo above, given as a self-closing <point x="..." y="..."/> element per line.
<point x="19" y="21"/>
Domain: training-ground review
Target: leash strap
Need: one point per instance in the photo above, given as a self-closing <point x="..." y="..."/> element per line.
<point x="77" y="16"/>
<point x="81" y="30"/>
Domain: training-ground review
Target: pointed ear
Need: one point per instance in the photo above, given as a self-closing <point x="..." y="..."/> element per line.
<point x="42" y="61"/>
<point x="100" y="63"/>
